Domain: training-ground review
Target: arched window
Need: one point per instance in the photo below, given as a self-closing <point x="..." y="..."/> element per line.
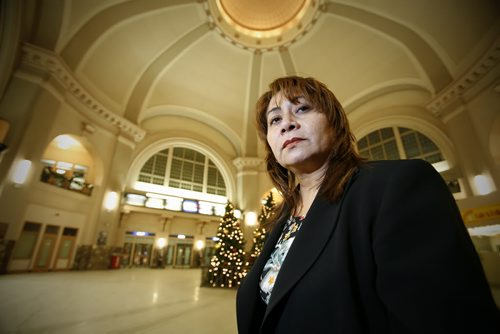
<point x="398" y="143"/>
<point x="403" y="143"/>
<point x="67" y="164"/>
<point x="183" y="168"/>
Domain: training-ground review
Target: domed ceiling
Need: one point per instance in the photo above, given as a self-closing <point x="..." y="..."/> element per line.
<point x="158" y="63"/>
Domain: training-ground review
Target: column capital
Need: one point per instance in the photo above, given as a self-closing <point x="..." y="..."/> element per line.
<point x="247" y="162"/>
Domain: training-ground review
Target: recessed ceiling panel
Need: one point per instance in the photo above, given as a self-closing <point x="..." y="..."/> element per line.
<point x="453" y="27"/>
<point x="352" y="58"/>
<point x="120" y="57"/>
<point x="80" y="12"/>
<point x="272" y="68"/>
<point x="211" y="76"/>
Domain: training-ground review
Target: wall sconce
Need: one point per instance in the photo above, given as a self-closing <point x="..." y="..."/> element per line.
<point x="483" y="184"/>
<point x="111" y="201"/>
<point x="21" y="172"/>
<point x="250" y="218"/>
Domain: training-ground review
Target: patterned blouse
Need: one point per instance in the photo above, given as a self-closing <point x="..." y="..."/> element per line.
<point x="273" y="264"/>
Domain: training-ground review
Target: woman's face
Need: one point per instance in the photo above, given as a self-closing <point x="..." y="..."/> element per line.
<point x="299" y="136"/>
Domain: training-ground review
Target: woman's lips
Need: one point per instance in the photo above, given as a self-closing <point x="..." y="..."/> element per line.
<point x="291" y="141"/>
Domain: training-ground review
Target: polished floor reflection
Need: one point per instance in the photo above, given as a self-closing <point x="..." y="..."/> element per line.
<point x="119" y="301"/>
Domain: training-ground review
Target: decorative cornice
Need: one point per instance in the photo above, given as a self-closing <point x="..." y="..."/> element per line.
<point x="245" y="162"/>
<point x="51" y="63"/>
<point x="468" y="80"/>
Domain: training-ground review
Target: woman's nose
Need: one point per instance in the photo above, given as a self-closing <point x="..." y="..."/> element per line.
<point x="289" y="123"/>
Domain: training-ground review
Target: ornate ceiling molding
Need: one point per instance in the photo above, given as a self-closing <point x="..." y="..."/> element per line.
<point x="456" y="90"/>
<point x="244" y="24"/>
<point x="49" y="62"/>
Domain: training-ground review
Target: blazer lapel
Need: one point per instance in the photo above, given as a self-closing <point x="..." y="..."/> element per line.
<point x="315" y="232"/>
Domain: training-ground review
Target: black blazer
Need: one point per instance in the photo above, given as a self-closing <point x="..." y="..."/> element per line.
<point x="392" y="256"/>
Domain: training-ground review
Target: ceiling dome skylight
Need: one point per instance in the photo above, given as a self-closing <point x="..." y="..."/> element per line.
<point x="262" y="24"/>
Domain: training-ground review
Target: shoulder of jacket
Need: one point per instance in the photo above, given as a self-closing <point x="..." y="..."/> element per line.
<point x="391" y="167"/>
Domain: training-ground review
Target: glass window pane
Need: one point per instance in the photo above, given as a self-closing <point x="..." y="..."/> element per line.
<point x="454" y="186"/>
<point x="433" y="158"/>
<point x="387" y="133"/>
<point x="178" y="152"/>
<point x="148" y="166"/>
<point x="68" y="231"/>
<point x="410" y="145"/>
<point x="403" y="130"/>
<point x="374" y="137"/>
<point x="426" y="144"/>
<point x="391" y="150"/>
<point x="175" y="170"/>
<point x="51" y="229"/>
<point x="158" y="180"/>
<point x="65" y="249"/>
<point x="25" y="245"/>
<point x="187" y="170"/>
<point x="365" y="154"/>
<point x="144" y="178"/>
<point x="377" y="153"/>
<point x="32" y="227"/>
<point x="362" y="143"/>
<point x="189" y="154"/>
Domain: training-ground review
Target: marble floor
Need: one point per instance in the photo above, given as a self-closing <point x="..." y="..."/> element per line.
<point x="114" y="301"/>
<point x="117" y="301"/>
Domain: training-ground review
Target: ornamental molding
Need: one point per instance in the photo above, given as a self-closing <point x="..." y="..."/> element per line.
<point x="51" y="63"/>
<point x="245" y="162"/>
<point x="254" y="41"/>
<point x="459" y="87"/>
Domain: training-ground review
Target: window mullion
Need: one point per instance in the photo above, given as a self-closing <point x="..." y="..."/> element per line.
<point x="169" y="166"/>
<point x="205" y="175"/>
<point x="399" y="143"/>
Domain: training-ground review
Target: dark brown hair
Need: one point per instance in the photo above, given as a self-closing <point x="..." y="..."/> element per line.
<point x="343" y="158"/>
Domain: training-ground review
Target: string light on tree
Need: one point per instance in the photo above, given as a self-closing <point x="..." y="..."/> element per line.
<point x="260" y="233"/>
<point x="226" y="267"/>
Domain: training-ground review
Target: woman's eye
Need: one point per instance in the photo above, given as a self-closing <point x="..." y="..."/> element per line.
<point x="302" y="108"/>
<point x="274" y="120"/>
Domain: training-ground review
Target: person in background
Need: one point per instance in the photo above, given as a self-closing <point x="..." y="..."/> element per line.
<point x="356" y="247"/>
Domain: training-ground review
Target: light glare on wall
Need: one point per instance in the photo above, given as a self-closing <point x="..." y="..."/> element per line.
<point x="250" y="218"/>
<point x="111" y="201"/>
<point x="200" y="244"/>
<point x="483" y="184"/>
<point x="161" y="243"/>
<point x="21" y="171"/>
<point x="66" y="142"/>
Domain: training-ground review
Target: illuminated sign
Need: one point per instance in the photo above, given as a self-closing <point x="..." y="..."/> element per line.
<point x="190" y="206"/>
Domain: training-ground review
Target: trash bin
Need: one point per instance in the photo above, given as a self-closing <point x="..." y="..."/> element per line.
<point x="115" y="261"/>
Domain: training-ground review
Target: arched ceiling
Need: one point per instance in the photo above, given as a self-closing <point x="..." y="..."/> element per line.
<point x="152" y="58"/>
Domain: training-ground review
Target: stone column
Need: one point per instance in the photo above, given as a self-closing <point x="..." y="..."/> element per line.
<point x="115" y="178"/>
<point x="248" y="191"/>
<point x="471" y="155"/>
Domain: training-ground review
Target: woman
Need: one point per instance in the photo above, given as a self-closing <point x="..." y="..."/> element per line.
<point x="356" y="247"/>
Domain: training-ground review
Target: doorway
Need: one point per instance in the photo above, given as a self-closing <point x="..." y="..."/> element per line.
<point x="66" y="247"/>
<point x="137" y="250"/>
<point x="46" y="248"/>
<point x="183" y="255"/>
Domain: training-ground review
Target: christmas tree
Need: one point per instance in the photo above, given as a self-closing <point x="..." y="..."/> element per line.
<point x="226" y="267"/>
<point x="260" y="233"/>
